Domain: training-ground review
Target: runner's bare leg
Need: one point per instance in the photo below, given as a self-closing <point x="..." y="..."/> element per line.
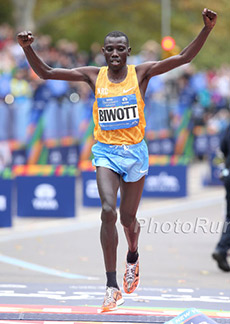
<point x="130" y="198"/>
<point x="108" y="183"/>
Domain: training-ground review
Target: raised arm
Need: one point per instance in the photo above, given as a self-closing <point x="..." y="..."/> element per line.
<point x="87" y="74"/>
<point x="147" y="70"/>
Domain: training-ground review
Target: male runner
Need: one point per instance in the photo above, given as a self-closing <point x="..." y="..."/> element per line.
<point x="120" y="154"/>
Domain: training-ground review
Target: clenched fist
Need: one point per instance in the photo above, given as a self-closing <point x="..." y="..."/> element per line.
<point x="25" y="38"/>
<point x="209" y="18"/>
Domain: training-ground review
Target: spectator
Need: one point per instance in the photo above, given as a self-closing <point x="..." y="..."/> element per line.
<point x="223" y="245"/>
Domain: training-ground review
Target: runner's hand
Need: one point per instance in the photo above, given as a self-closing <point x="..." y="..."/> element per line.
<point x="209" y="18"/>
<point x="25" y="38"/>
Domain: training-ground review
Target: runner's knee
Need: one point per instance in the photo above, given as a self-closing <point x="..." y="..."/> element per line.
<point x="108" y="214"/>
<point x="127" y="219"/>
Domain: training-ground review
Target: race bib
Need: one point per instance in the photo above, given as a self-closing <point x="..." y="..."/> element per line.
<point x="118" y="112"/>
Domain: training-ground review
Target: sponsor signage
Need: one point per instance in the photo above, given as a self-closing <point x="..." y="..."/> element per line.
<point x="63" y="155"/>
<point x="55" y="156"/>
<point x="46" y="196"/>
<point x="161" y="181"/>
<point x="206" y="144"/>
<point x="166" y="181"/>
<point x="214" y="143"/>
<point x="5" y="203"/>
<point x="161" y="146"/>
<point x="91" y="196"/>
<point x="71" y="155"/>
<point x="19" y="157"/>
<point x="201" y="145"/>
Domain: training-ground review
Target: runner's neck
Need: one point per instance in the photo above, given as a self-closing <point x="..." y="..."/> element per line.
<point x="119" y="75"/>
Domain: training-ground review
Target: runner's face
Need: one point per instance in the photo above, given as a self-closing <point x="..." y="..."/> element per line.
<point x="116" y="51"/>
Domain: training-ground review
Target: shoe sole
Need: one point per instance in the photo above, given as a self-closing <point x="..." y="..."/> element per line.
<point x="134" y="289"/>
<point x="218" y="259"/>
<point x="119" y="302"/>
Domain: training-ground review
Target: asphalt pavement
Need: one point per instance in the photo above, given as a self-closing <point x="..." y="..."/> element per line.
<point x="177" y="238"/>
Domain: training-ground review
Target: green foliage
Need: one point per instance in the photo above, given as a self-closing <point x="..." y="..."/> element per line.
<point x="187" y="23"/>
<point x="6" y="12"/>
<point x="89" y="24"/>
<point x="90" y="20"/>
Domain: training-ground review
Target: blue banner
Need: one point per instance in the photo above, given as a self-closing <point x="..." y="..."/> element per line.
<point x="71" y="154"/>
<point x="201" y="145"/>
<point x="91" y="196"/>
<point x="206" y="144"/>
<point x="166" y="181"/>
<point x="46" y="196"/>
<point x="214" y="143"/>
<point x="63" y="155"/>
<point x="19" y="157"/>
<point x="5" y="203"/>
<point x="191" y="316"/>
<point x="163" y="146"/>
<point x="55" y="156"/>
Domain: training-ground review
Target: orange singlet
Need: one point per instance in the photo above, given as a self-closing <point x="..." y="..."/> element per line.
<point x="118" y="110"/>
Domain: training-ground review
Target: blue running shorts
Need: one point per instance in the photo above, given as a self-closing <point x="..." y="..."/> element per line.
<point x="130" y="161"/>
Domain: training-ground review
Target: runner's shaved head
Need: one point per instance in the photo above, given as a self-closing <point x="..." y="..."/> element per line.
<point x="117" y="33"/>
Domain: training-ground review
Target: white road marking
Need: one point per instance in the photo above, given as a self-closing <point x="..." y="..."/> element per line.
<point x="42" y="269"/>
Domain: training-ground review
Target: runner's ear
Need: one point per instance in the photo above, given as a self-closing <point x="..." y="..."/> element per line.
<point x="129" y="50"/>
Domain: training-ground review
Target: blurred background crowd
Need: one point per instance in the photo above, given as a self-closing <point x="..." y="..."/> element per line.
<point x="37" y="114"/>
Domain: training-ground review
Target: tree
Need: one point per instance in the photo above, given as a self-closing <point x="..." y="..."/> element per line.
<point x="87" y="21"/>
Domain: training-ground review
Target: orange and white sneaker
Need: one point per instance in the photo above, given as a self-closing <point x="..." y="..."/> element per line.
<point x="113" y="298"/>
<point x="131" y="277"/>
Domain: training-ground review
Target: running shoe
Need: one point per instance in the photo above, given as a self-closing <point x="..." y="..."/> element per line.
<point x="113" y="298"/>
<point x="131" y="277"/>
<point x="221" y="260"/>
